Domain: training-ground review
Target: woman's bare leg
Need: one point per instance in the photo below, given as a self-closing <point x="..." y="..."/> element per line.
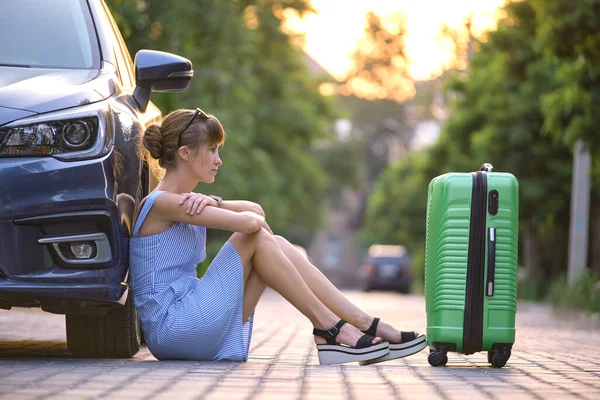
<point x="253" y="289"/>
<point x="261" y="254"/>
<point x="332" y="297"/>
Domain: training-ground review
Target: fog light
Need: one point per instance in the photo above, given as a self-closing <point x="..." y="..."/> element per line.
<point x="82" y="250"/>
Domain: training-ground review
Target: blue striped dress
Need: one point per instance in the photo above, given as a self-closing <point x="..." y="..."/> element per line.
<point x="183" y="317"/>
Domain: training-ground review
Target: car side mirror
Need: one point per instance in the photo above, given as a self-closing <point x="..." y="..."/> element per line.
<point x="157" y="71"/>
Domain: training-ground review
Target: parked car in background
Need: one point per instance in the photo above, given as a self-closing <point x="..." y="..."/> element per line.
<point x="387" y="267"/>
<point x="72" y="104"/>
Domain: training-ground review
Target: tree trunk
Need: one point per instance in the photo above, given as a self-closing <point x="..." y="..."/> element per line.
<point x="594" y="242"/>
<point x="559" y="251"/>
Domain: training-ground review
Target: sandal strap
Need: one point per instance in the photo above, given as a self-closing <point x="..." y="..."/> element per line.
<point x="364" y="341"/>
<point x="373" y="328"/>
<point x="405" y="336"/>
<point x="408" y="336"/>
<point x="331" y="334"/>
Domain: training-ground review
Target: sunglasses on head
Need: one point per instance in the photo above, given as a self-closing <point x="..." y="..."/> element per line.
<point x="187" y="125"/>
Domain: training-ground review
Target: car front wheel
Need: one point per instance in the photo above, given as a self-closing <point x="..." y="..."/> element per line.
<point x="114" y="335"/>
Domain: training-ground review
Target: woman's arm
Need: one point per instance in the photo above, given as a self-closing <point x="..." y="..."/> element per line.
<point x="242" y="205"/>
<point x="167" y="206"/>
<point x="194" y="203"/>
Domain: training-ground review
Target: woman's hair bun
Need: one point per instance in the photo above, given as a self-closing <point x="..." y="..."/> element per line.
<point x="153" y="141"/>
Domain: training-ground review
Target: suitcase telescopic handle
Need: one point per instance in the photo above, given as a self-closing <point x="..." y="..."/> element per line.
<point x="486" y="167"/>
<point x="491" y="269"/>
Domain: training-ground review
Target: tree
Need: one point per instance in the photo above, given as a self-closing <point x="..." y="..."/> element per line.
<point x="569" y="35"/>
<point x="249" y="74"/>
<point x="380" y="69"/>
<point x="499" y="119"/>
<point x="495" y="118"/>
<point x="568" y="32"/>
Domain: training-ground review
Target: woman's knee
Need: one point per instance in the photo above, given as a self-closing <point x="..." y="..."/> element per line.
<point x="248" y="242"/>
<point x="265" y="238"/>
<point x="280" y="240"/>
<point x="284" y="244"/>
<point x="245" y="244"/>
<point x="243" y="239"/>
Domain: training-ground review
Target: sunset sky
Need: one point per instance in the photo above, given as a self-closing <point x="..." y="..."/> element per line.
<point x="331" y="34"/>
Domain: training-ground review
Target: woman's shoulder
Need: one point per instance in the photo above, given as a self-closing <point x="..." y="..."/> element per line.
<point x="159" y="199"/>
<point x="151" y="213"/>
<point x="152" y="196"/>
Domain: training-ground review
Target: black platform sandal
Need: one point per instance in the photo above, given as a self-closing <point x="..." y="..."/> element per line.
<point x="335" y="353"/>
<point x="411" y="344"/>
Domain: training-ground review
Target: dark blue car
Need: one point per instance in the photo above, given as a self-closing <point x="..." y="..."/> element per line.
<point x="72" y="104"/>
<point x="387" y="267"/>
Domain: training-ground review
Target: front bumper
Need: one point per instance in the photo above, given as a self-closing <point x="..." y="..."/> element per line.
<point x="47" y="198"/>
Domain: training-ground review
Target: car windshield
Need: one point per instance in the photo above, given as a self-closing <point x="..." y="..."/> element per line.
<point x="47" y="34"/>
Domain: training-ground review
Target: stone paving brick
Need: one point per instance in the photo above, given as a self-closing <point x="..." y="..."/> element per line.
<point x="552" y="358"/>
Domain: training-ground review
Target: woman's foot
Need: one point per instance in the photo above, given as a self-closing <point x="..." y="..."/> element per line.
<point x="402" y="344"/>
<point x="348" y="335"/>
<point x="344" y="343"/>
<point x="383" y="330"/>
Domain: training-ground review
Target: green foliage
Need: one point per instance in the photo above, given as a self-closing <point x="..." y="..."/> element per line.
<point x="398" y="203"/>
<point x="248" y="74"/>
<point x="375" y="123"/>
<point x="583" y="294"/>
<point x="496" y="117"/>
<point x="397" y="207"/>
<point x="342" y="160"/>
<point x="534" y="289"/>
<point x="568" y="33"/>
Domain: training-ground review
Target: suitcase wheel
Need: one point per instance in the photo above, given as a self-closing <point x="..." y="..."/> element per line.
<point x="437" y="358"/>
<point x="498" y="357"/>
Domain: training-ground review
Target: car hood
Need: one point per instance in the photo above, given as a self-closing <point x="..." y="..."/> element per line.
<point x="27" y="91"/>
<point x="12" y="114"/>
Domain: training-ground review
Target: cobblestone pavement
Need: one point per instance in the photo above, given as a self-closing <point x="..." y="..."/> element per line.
<point x="552" y="359"/>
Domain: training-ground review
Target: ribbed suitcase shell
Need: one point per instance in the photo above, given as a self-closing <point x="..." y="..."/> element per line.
<point x="447" y="252"/>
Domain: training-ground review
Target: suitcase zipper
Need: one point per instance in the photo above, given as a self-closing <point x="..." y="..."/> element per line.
<point x="473" y="316"/>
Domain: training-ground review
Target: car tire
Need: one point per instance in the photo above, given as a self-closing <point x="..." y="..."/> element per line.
<point x="114" y="335"/>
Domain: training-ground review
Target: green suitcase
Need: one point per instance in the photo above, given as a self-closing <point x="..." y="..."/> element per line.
<point x="471" y="264"/>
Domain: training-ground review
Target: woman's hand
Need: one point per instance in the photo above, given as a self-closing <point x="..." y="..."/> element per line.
<point x="255" y="207"/>
<point x="268" y="228"/>
<point x="195" y="202"/>
<point x="259" y="220"/>
<point x="247" y="206"/>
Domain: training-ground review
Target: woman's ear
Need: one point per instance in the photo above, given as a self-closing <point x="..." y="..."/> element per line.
<point x="184" y="153"/>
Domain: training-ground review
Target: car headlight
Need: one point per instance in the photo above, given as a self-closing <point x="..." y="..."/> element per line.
<point x="50" y="138"/>
<point x="73" y="134"/>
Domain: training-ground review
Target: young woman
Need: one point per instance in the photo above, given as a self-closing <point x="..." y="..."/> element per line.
<point x="184" y="317"/>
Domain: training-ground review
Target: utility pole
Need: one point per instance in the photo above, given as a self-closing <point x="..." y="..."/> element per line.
<point x="469" y="26"/>
<point x="470" y="42"/>
<point x="580" y="211"/>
